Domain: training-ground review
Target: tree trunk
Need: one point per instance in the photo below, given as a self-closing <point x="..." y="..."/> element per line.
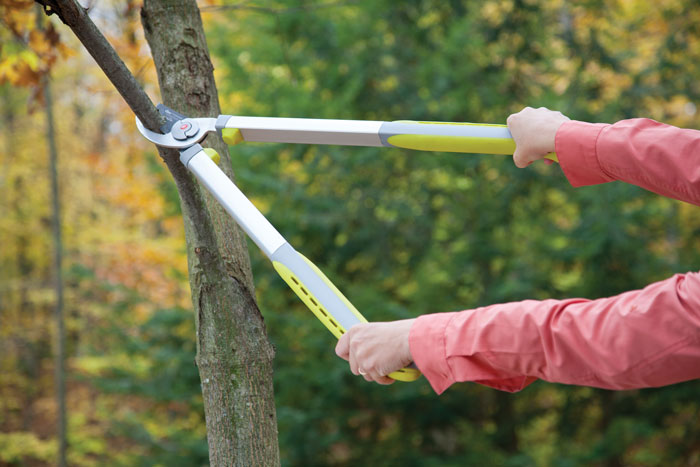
<point x="234" y="356"/>
<point x="60" y="330"/>
<point x="60" y="339"/>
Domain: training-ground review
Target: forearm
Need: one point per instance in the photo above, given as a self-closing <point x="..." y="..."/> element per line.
<point x="643" y="338"/>
<point x="661" y="158"/>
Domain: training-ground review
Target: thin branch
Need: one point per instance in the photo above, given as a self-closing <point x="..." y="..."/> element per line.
<point x="76" y="17"/>
<point x="275" y="11"/>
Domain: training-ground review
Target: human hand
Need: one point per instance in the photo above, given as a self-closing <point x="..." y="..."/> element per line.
<point x="533" y="131"/>
<point x="376" y="349"/>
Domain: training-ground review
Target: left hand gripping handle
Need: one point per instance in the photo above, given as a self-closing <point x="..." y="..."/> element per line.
<point x="323" y="299"/>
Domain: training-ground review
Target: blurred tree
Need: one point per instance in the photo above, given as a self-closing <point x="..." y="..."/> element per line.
<point x="60" y="339"/>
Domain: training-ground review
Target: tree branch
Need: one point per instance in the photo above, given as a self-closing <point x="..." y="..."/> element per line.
<point x="76" y="18"/>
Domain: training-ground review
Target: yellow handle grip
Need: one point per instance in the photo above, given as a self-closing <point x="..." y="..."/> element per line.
<point x="450" y="137"/>
<point x="324" y="299"/>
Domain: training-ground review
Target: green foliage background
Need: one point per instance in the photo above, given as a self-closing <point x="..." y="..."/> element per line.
<point x="405" y="233"/>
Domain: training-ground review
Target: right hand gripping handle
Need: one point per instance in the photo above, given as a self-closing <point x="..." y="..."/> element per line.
<point x="323" y="298"/>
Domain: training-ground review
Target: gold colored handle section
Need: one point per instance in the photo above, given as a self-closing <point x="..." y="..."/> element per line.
<point x="335" y="290"/>
<point x="479" y="138"/>
<point x="309" y="300"/>
<point x="323" y="315"/>
<point x="405" y="375"/>
<point x="467" y="144"/>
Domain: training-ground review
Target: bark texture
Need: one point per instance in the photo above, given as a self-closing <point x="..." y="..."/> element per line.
<point x="234" y="356"/>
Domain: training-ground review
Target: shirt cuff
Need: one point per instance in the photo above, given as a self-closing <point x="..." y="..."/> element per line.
<point x="440" y="353"/>
<point x="426" y="340"/>
<point x="575" y="145"/>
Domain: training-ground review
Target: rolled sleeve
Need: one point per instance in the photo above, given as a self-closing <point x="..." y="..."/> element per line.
<point x="642" y="338"/>
<point x="575" y="144"/>
<point x="427" y="343"/>
<point x="446" y="348"/>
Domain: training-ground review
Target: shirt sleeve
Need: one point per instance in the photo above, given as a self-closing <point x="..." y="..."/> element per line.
<point x="658" y="157"/>
<point x="638" y="339"/>
<point x="642" y="338"/>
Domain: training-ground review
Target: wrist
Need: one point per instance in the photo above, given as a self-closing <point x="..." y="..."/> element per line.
<point x="406" y="325"/>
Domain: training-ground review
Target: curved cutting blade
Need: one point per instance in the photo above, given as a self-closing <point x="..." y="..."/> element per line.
<point x="183" y="134"/>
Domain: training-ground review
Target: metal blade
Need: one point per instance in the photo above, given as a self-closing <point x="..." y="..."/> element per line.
<point x="199" y="129"/>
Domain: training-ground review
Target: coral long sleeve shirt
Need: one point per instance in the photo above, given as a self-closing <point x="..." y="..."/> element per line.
<point x="642" y="338"/>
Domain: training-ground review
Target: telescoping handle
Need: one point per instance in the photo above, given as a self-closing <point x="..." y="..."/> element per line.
<point x="424" y="136"/>
<point x="317" y="292"/>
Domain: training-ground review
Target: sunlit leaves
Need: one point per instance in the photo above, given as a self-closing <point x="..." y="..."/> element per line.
<point x="28" y="49"/>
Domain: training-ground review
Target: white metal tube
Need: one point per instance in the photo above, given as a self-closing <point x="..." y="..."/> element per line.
<point x="235" y="202"/>
<point x="307" y="130"/>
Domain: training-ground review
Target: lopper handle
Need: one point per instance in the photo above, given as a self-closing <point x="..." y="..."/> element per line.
<point x="316" y="291"/>
<point x="481" y="138"/>
<point x="450" y="137"/>
<point x="323" y="298"/>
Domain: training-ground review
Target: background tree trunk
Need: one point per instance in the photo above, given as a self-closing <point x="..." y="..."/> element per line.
<point x="234" y="356"/>
<point x="60" y="339"/>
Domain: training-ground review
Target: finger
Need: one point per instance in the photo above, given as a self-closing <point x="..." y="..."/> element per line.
<point x="342" y="349"/>
<point x="368" y="378"/>
<point x="376" y="377"/>
<point x="354" y="365"/>
<point x="385" y="380"/>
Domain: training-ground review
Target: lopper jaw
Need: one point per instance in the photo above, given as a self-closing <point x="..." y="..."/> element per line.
<point x="178" y="131"/>
<point x="315" y="290"/>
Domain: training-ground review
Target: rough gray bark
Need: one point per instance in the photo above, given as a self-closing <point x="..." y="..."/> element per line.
<point x="234" y="356"/>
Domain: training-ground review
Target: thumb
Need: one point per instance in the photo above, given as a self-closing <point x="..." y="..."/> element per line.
<point x="342" y="349"/>
<point x="520" y="158"/>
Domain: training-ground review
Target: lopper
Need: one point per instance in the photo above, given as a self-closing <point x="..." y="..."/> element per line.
<point x="317" y="292"/>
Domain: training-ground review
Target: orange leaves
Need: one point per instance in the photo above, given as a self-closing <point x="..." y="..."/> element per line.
<point x="43" y="42"/>
<point x="20" y="69"/>
<point x="27" y="50"/>
<point x="17" y="15"/>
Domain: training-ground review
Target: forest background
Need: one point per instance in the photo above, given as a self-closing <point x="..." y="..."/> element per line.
<point x="401" y="233"/>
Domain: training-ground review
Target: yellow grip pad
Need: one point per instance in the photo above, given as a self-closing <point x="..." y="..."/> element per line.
<point x="472" y="144"/>
<point x="231" y="136"/>
<point x="404" y="374"/>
